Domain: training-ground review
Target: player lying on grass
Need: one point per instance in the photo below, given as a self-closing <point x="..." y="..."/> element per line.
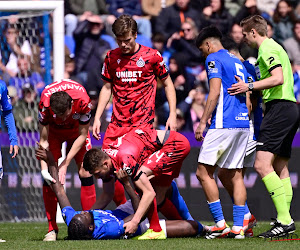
<point x="107" y="224"/>
<point x="152" y="174"/>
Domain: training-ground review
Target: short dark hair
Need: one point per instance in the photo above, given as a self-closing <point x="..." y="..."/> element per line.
<point x="208" y="32"/>
<point x="124" y="24"/>
<point x="256" y="22"/>
<point x="229" y="44"/>
<point x="60" y="102"/>
<point x="77" y="230"/>
<point x="93" y="158"/>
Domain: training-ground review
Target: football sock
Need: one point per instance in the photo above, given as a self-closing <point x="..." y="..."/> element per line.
<point x="168" y="209"/>
<point x="119" y="196"/>
<point x="288" y="191"/>
<point x="152" y="216"/>
<point x="179" y="203"/>
<point x="238" y="215"/>
<point x="50" y="202"/>
<point x="247" y="214"/>
<point x="277" y="193"/>
<point x="215" y="209"/>
<point x="200" y="228"/>
<point x="87" y="193"/>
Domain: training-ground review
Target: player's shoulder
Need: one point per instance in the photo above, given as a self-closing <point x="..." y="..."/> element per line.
<point x="148" y="50"/>
<point x="2" y="86"/>
<point x="114" y="53"/>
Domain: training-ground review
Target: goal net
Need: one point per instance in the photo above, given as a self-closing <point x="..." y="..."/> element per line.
<point x="32" y="52"/>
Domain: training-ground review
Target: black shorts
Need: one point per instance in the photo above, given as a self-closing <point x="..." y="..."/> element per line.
<point x="278" y="128"/>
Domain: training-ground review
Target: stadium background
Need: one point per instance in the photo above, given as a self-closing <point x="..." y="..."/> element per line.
<point x="21" y="188"/>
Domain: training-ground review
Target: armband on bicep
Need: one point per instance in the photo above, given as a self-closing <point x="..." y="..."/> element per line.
<point x="138" y="176"/>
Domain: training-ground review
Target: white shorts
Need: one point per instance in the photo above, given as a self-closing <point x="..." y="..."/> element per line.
<point x="224" y="147"/>
<point x="251" y="149"/>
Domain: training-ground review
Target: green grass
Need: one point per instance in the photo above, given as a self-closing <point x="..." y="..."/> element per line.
<point x="30" y="235"/>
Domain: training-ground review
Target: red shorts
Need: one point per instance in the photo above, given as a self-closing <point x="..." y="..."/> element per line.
<point x="113" y="132"/>
<point x="166" y="163"/>
<point x="56" y="139"/>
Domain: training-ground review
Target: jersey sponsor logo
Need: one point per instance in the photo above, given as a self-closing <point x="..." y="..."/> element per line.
<point x="76" y="116"/>
<point x="242" y="116"/>
<point x="127" y="169"/>
<point x="140" y="63"/>
<point x="211" y="64"/>
<point x="111" y="152"/>
<point x="250" y="79"/>
<point x="63" y="87"/>
<point x="8" y="99"/>
<point x="162" y="63"/>
<point x="118" y="61"/>
<point x="129" y="76"/>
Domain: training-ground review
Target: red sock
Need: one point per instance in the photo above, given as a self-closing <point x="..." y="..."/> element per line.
<point x="152" y="216"/>
<point x="168" y="209"/>
<point x="119" y="196"/>
<point x="87" y="193"/>
<point x="50" y="202"/>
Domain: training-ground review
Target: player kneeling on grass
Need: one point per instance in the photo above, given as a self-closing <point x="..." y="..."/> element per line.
<point x="108" y="224"/>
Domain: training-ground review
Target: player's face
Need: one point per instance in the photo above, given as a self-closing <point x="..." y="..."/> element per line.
<point x="204" y="48"/>
<point x="249" y="38"/>
<point x="127" y="43"/>
<point x="104" y="171"/>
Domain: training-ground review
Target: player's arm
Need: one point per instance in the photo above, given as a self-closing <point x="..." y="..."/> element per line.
<point x="104" y="98"/>
<point x="212" y="100"/>
<point x="274" y="80"/>
<point x="171" y="97"/>
<point x="77" y="145"/>
<point x="124" y="178"/>
<point x="47" y="157"/>
<point x="147" y="198"/>
<point x="106" y="196"/>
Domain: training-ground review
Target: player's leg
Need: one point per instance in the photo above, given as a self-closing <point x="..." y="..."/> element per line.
<point x="183" y="228"/>
<point x="1" y="174"/>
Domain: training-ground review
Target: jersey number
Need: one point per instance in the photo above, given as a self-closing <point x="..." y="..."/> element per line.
<point x="238" y="68"/>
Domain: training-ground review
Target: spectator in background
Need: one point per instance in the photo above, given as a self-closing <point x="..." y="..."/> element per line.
<point x="270" y="29"/>
<point x="233" y="6"/>
<point x="12" y="92"/>
<point x="158" y="43"/>
<point x="267" y="7"/>
<point x="26" y="110"/>
<point x="292" y="46"/>
<point x="70" y="69"/>
<point x="237" y="35"/>
<point x="133" y="8"/>
<point x="249" y="8"/>
<point x="25" y="75"/>
<point x="283" y="19"/>
<point x="171" y="18"/>
<point x="184" y="46"/>
<point x="199" y="5"/>
<point x="216" y="14"/>
<point x="90" y="48"/>
<point x="11" y="50"/>
<point x="74" y="9"/>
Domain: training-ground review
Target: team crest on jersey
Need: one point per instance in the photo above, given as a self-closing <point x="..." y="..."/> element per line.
<point x="76" y="116"/>
<point x="118" y="61"/>
<point x="140" y="63"/>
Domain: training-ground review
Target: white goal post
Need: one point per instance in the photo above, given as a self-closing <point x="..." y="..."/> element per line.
<point x="58" y="27"/>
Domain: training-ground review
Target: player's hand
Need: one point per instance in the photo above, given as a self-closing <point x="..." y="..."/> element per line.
<point x="122" y="176"/>
<point x="171" y="123"/>
<point x="130" y="227"/>
<point x="13" y="150"/>
<point x="239" y="87"/>
<point x="62" y="172"/>
<point x="47" y="177"/>
<point x="96" y="129"/>
<point x="199" y="132"/>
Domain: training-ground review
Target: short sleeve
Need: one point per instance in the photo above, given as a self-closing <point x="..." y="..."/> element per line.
<point x="105" y="72"/>
<point x="5" y="99"/>
<point x="271" y="59"/>
<point x="43" y="114"/>
<point x="68" y="213"/>
<point x="159" y="66"/>
<point x="213" y="68"/>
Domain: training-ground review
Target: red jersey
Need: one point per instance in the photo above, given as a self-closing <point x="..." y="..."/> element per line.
<point x="133" y="79"/>
<point x="81" y="108"/>
<point x="131" y="149"/>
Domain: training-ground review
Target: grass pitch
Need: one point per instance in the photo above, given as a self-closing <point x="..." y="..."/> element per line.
<point x="30" y="235"/>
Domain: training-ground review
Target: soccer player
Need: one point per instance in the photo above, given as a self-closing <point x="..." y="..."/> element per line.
<point x="107" y="224"/>
<point x="256" y="115"/>
<point x="64" y="116"/>
<point x="280" y="122"/>
<point x="225" y="142"/>
<point x="131" y="152"/>
<point x="129" y="74"/>
<point x="6" y="111"/>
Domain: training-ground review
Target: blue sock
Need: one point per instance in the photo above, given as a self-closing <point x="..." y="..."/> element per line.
<point x="238" y="215"/>
<point x="179" y="203"/>
<point x="246" y="206"/>
<point x="200" y="228"/>
<point x="215" y="209"/>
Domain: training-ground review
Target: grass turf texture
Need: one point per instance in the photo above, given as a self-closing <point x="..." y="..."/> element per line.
<point x="30" y="235"/>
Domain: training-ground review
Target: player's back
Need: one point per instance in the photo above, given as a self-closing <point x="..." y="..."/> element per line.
<point x="231" y="111"/>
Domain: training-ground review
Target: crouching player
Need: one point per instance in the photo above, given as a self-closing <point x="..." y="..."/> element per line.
<point x="131" y="153"/>
<point x="101" y="224"/>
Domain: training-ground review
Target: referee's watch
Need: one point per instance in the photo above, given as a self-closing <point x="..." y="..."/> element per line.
<point x="250" y="86"/>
